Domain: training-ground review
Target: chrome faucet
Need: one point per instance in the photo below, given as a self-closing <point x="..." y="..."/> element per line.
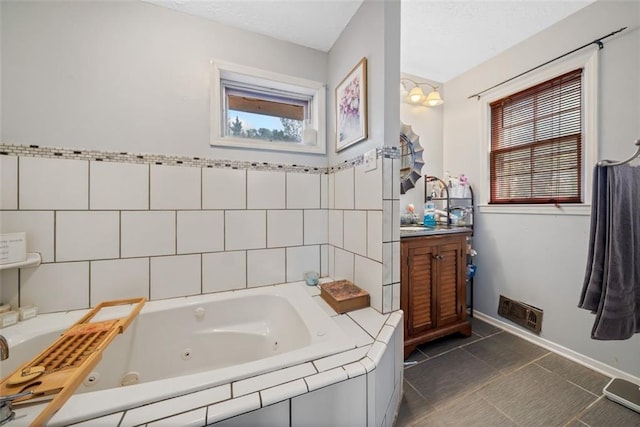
<point x="4" y="348"/>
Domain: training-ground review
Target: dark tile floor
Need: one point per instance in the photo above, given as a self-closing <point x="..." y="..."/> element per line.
<point x="494" y="378"/>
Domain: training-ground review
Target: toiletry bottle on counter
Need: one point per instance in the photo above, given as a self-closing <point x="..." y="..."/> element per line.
<point x="429" y="214"/>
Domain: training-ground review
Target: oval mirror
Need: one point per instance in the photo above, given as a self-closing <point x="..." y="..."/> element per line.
<point x="410" y="158"/>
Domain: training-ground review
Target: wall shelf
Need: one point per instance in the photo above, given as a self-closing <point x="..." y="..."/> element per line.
<point x="33" y="260"/>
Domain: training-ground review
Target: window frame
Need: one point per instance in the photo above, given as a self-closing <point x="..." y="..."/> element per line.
<point x="227" y="73"/>
<point x="588" y="61"/>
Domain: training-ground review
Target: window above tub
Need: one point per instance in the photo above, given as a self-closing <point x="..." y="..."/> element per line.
<point x="252" y="108"/>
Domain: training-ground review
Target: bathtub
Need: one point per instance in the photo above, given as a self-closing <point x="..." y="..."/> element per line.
<point x="183" y="345"/>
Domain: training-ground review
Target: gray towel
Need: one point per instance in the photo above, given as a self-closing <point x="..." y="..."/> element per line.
<point x="592" y="286"/>
<point x="612" y="280"/>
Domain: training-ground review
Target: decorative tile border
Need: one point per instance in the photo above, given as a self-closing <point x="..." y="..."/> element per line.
<point x="160" y="159"/>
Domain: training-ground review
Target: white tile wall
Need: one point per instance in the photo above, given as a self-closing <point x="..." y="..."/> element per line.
<point x="341" y="404"/>
<point x="224" y="271"/>
<point x="272" y="379"/>
<point x="343" y="265"/>
<point x="344" y="191"/>
<point x="119" y="279"/>
<point x="332" y="261"/>
<point x="265" y="190"/>
<point x="316" y="226"/>
<point x="331" y="186"/>
<point x="283" y="392"/>
<point x="340" y="359"/>
<point x="224" y="188"/>
<point x="396" y="297"/>
<point x="384" y="384"/>
<point x="395" y="254"/>
<point x="355" y="232"/>
<point x="203" y="211"/>
<point x="387" y="298"/>
<point x="374" y="235"/>
<point x="245" y="230"/>
<point x="300" y="260"/>
<point x="368" y="276"/>
<point x="387" y="263"/>
<point x="228" y="408"/>
<point x="178" y="404"/>
<point x="56" y="287"/>
<point x="387" y="179"/>
<point x="359" y="336"/>
<point x="326" y="378"/>
<point x="324" y="260"/>
<point x="368" y="187"/>
<point x="86" y="235"/>
<point x="395" y="188"/>
<point x="38" y="226"/>
<point x="324" y="191"/>
<point x="387" y="221"/>
<point x="200" y="231"/>
<point x="268" y="416"/>
<point x="175" y="276"/>
<point x="369" y="319"/>
<point x="265" y="267"/>
<point x="9" y="287"/>
<point x="8" y="182"/>
<point x="195" y="418"/>
<point x="336" y="224"/>
<point x="395" y="221"/>
<point x="303" y="191"/>
<point x="53" y="183"/>
<point x="284" y="228"/>
<point x="148" y="233"/>
<point x="107" y="421"/>
<point x="118" y="186"/>
<point x="175" y="187"/>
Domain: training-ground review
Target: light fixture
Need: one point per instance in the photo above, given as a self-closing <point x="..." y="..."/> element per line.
<point x="416" y="96"/>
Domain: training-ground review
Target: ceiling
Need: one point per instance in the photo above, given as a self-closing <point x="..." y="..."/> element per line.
<point x="441" y="39"/>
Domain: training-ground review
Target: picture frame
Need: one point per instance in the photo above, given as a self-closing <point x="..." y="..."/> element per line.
<point x="351" y="107"/>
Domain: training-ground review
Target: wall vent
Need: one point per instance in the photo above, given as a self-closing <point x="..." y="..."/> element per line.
<point x="520" y="313"/>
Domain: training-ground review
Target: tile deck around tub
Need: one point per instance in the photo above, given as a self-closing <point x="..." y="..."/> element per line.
<point x="224" y="401"/>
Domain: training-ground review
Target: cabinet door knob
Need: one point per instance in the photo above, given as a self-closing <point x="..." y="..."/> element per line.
<point x="437" y="257"/>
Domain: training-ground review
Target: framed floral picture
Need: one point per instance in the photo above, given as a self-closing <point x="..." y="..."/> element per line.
<point x="351" y="107"/>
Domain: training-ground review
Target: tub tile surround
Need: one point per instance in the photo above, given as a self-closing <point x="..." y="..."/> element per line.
<point x="254" y="224"/>
<point x="251" y="224"/>
<point x="362" y="229"/>
<point x="360" y="376"/>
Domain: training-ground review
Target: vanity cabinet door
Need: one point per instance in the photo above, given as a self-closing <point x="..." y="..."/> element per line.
<point x="450" y="269"/>
<point x="433" y="288"/>
<point x="421" y="312"/>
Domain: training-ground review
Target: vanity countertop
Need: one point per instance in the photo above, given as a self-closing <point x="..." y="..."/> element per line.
<point x="419" y="230"/>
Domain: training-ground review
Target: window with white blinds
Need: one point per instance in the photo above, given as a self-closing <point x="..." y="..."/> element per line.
<point x="536" y="143"/>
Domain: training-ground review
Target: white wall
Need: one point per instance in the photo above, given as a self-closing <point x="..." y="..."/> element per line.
<point x="360" y="202"/>
<point x="374" y="33"/>
<point x="427" y="123"/>
<point x="541" y="259"/>
<point x="128" y="76"/>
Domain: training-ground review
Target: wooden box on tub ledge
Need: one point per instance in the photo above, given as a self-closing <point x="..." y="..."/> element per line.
<point x="343" y="296"/>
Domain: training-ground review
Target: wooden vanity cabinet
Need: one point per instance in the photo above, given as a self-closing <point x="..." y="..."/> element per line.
<point x="433" y="287"/>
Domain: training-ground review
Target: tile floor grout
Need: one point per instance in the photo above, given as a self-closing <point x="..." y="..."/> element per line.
<point x="462" y="394"/>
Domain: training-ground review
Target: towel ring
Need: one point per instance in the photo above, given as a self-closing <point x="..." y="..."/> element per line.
<point x="633" y="156"/>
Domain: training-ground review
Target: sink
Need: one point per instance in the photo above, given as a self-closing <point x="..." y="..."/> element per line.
<point x="412" y="227"/>
<point x="438" y="229"/>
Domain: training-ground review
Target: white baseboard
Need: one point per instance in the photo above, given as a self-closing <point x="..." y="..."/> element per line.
<point x="597" y="366"/>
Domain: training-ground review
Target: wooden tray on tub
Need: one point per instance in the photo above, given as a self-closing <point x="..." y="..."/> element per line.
<point x="60" y="368"/>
